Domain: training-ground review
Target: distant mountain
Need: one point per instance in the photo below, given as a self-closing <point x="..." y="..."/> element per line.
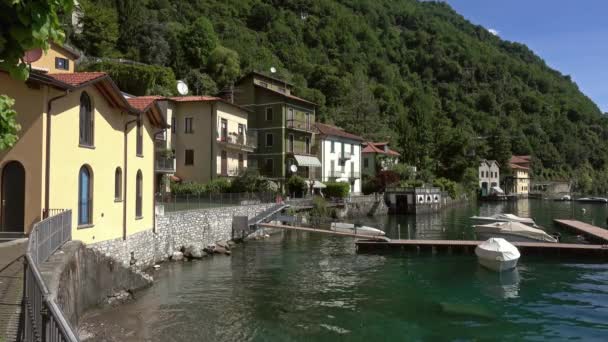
<point x="443" y="90"/>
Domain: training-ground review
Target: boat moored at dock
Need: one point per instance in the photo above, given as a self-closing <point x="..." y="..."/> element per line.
<point x="593" y="200"/>
<point x="513" y="232"/>
<point x="504" y="218"/>
<point x="355" y="229"/>
<point x="497" y="255"/>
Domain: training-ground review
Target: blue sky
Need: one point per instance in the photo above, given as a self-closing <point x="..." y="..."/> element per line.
<point x="570" y="35"/>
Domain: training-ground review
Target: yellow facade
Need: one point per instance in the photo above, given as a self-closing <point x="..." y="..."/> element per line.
<point x="67" y="157"/>
<point x="521" y="182"/>
<point x="48" y="61"/>
<point x="204" y="139"/>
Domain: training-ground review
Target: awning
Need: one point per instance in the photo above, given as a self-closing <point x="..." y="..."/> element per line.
<point x="497" y="189"/>
<point x="316" y="184"/>
<point x="307" y="161"/>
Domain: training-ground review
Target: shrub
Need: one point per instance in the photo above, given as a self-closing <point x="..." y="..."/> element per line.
<point x="219" y="185"/>
<point x="250" y="181"/>
<point x="386" y="178"/>
<point x="296" y="186"/>
<point x="370" y="186"/>
<point x="337" y="189"/>
<point x="136" y="79"/>
<point x="188" y="188"/>
<point x="447" y="185"/>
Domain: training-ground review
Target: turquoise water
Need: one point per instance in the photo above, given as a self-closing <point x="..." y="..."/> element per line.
<point x="303" y="287"/>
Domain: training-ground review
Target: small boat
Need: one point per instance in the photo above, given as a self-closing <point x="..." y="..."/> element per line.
<point x="512" y="231"/>
<point x="593" y="199"/>
<point x="504" y="218"/>
<point x="497" y="254"/>
<point x="355" y="229"/>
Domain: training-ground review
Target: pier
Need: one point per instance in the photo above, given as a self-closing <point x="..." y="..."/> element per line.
<point x="468" y="247"/>
<point x="323" y="231"/>
<point x="593" y="232"/>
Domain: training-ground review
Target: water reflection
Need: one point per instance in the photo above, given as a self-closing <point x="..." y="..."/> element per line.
<point x="503" y="285"/>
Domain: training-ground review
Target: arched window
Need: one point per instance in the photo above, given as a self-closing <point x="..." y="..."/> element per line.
<point x="138" y="194"/>
<point x="86" y="120"/>
<point x="118" y="184"/>
<point x="85" y="196"/>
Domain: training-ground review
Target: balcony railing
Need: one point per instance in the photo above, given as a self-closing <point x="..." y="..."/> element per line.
<point x="164" y="164"/>
<point x="354" y="175"/>
<point x="336" y="174"/>
<point x="247" y="141"/>
<point x="232" y="172"/>
<point x="300" y="124"/>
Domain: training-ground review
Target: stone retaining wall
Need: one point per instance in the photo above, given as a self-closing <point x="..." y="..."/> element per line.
<point x="174" y="230"/>
<point x="370" y="205"/>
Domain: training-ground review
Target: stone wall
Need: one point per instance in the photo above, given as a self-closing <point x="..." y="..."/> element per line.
<point x="370" y="205"/>
<point x="174" y="230"/>
<point x="80" y="278"/>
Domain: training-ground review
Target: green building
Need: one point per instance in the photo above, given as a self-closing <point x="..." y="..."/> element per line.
<point x="285" y="126"/>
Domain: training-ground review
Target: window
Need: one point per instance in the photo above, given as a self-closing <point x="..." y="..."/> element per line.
<point x="307" y="120"/>
<point x="173" y="125"/>
<point x="269" y="139"/>
<point x="85" y="196"/>
<point x="189" y="157"/>
<point x="140" y="141"/>
<point x="138" y="194"/>
<point x="308" y="145"/>
<point x="62" y="63"/>
<point x="224" y="130"/>
<point x="241" y="130"/>
<point x="241" y="162"/>
<point x="289" y="114"/>
<point x="365" y="163"/>
<point x="188" y="125"/>
<point x="333" y="148"/>
<point x="269" y="166"/>
<point x="269" y="114"/>
<point x="86" y="120"/>
<point x="290" y="143"/>
<point x="352" y="149"/>
<point x="118" y="184"/>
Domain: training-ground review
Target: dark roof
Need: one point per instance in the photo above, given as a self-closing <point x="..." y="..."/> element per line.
<point x="206" y="98"/>
<point x="292" y="97"/>
<point x="257" y="73"/>
<point x="329" y="130"/>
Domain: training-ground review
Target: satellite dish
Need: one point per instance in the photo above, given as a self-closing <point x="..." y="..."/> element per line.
<point x="182" y="88"/>
<point x="273" y="70"/>
<point x="293" y="168"/>
<point x="32" y="55"/>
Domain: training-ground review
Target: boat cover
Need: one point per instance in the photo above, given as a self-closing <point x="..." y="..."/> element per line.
<point x="497" y="190"/>
<point x="512" y="217"/>
<point x="497" y="249"/>
<point x="516" y="228"/>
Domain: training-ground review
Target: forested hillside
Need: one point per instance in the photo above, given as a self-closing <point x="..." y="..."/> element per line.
<point x="443" y="90"/>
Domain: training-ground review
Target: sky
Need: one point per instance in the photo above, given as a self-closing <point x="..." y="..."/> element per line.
<point x="570" y="35"/>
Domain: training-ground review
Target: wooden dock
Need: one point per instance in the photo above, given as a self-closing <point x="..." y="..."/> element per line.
<point x="596" y="234"/>
<point x="323" y="231"/>
<point x="468" y="247"/>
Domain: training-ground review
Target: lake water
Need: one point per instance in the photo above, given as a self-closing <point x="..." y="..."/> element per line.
<point x="304" y="287"/>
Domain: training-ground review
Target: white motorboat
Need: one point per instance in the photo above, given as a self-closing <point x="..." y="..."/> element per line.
<point x="497" y="254"/>
<point x="512" y="231"/>
<point x="593" y="199"/>
<point x="355" y="229"/>
<point x="504" y="218"/>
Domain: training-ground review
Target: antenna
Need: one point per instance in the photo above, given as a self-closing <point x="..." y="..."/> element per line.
<point x="273" y="70"/>
<point x="182" y="87"/>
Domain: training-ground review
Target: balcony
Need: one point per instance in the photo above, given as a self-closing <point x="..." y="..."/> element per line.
<point x="337" y="174"/>
<point x="164" y="164"/>
<point x="345" y="155"/>
<point x="354" y="175"/>
<point x="246" y="142"/>
<point x="231" y="172"/>
<point x="301" y="125"/>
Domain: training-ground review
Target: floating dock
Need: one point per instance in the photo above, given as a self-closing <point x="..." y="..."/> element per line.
<point x="468" y="247"/>
<point x="323" y="231"/>
<point x="595" y="233"/>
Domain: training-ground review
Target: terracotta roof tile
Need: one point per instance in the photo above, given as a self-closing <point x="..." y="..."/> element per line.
<point x="372" y="147"/>
<point x="195" y="98"/>
<point x="336" y="131"/>
<point x="519" y="167"/>
<point x="76" y="79"/>
<point x="143" y="102"/>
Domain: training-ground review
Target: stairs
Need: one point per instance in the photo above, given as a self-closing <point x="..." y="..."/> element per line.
<point x="266" y="215"/>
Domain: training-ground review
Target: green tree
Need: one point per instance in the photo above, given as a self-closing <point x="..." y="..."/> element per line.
<point x="8" y="125"/>
<point x="224" y="66"/>
<point x="199" y="83"/>
<point x="198" y="42"/>
<point x="99" y="30"/>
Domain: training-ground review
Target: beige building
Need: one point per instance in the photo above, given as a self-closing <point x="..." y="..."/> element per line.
<point x="210" y="138"/>
<point x="377" y="156"/>
<point x="83" y="147"/>
<point x="519" y="182"/>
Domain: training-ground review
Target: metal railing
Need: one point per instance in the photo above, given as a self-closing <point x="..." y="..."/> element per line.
<point x="164" y="164"/>
<point x="337" y="174"/>
<point x="345" y="155"/>
<point x="300" y="124"/>
<point x="249" y="140"/>
<point x="42" y="318"/>
<point x="173" y="202"/>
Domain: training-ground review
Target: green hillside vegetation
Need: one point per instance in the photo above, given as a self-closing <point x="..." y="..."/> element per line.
<point x="442" y="90"/>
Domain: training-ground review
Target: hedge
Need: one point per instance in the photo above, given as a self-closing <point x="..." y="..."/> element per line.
<point x="136" y="79"/>
<point x="337" y="189"/>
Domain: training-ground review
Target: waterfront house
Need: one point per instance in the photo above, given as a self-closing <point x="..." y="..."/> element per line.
<point x="518" y="183"/>
<point x="377" y="156"/>
<point x="83" y="147"/>
<point x="211" y="138"/>
<point x="340" y="154"/>
<point x="285" y="126"/>
<point x="489" y="177"/>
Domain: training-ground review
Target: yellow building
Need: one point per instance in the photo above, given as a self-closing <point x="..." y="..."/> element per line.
<point x="210" y="138"/>
<point x="83" y="147"/>
<point x="519" y="182"/>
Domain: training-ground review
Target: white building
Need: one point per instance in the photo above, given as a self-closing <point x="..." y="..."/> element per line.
<point x="340" y="154"/>
<point x="489" y="176"/>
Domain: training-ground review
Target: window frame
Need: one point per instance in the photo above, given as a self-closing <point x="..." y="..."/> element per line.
<point x="186" y="151"/>
<point x="139" y="142"/>
<point x="118" y="184"/>
<point x="86" y="123"/>
<point x="188" y="125"/>
<point x="271" y="111"/>
<point x="290" y="142"/>
<point x="139" y="195"/>
<point x="89" y="198"/>
<point x="66" y="63"/>
<point x="271" y="136"/>
<point x="332" y="148"/>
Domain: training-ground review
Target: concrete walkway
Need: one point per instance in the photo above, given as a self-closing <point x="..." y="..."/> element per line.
<point x="11" y="287"/>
